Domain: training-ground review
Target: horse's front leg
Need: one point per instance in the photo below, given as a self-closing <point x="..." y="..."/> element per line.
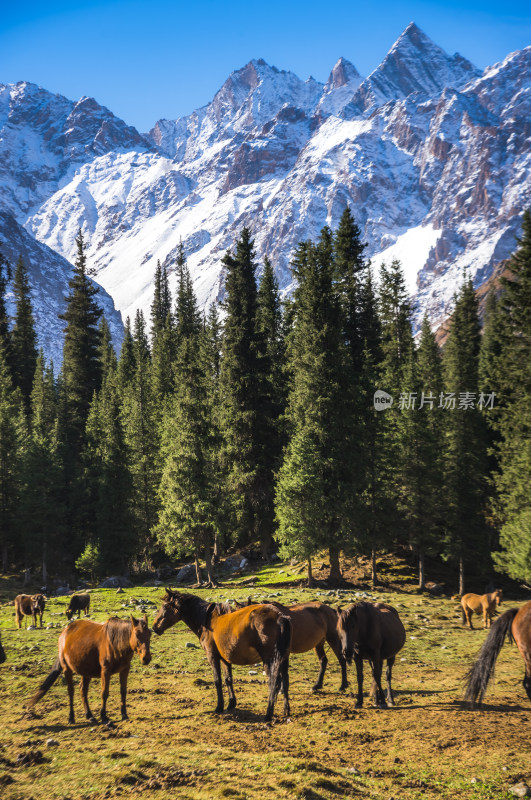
<point x="70" y="686"/>
<point x="359" y="674"/>
<point x="227" y="668"/>
<point x="323" y="661"/>
<point x="84" y="696"/>
<point x="335" y="644"/>
<point x="377" y="665"/>
<point x="105" y="681"/>
<point x="124" y="674"/>
<point x="214" y="660"/>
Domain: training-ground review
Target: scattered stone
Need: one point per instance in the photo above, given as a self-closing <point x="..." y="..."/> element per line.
<point x="244" y="563"/>
<point x="115" y="582"/>
<point x="473" y="780"/>
<point x="434" y="588"/>
<point x="191" y="646"/>
<point x="186" y="574"/>
<point x="253" y="672"/>
<point x="119" y="590"/>
<point x="353" y="770"/>
<point x="520" y="790"/>
<point x="62" y="590"/>
<point x="52" y="743"/>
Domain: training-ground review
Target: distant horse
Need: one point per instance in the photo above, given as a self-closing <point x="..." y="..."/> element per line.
<point x="480" y="604"/>
<point x="373" y="632"/>
<point x="78" y="603"/>
<point x="515" y="623"/>
<point x="98" y="650"/>
<point x="243" y="637"/>
<point x="29" y="605"/>
<point x="2" y="652"/>
<point x="313" y="624"/>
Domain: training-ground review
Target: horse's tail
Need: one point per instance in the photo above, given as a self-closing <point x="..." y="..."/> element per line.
<point x="481" y="672"/>
<point x="283" y="643"/>
<point x="47" y="682"/>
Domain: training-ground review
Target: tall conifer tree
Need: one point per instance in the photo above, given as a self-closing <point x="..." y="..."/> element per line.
<point x="23" y="336"/>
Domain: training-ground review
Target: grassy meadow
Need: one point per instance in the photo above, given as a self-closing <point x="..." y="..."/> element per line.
<point x="428" y="746"/>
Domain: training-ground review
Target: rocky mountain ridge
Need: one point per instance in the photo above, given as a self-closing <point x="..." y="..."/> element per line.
<point x="431" y="155"/>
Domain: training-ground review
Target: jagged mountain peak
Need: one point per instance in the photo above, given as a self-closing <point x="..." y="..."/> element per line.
<point x="343" y="72"/>
<point x="413" y="64"/>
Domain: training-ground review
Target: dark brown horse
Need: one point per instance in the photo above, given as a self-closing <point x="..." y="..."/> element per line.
<point x="98" y="650"/>
<point x="29" y="605"/>
<point x="241" y="637"/>
<point x="313" y="624"/>
<point x="2" y="652"/>
<point x="372" y="632"/>
<point x="515" y="623"/>
<point x="78" y="603"/>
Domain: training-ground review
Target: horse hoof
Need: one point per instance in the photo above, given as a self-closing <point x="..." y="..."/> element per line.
<point x="317" y="687"/>
<point x="92" y="720"/>
<point x="231" y="704"/>
<point x="358" y="705"/>
<point x="71" y="721"/>
<point x="218" y="710"/>
<point x="125" y="718"/>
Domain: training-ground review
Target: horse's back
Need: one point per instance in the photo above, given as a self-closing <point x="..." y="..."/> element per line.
<point x="245" y="635"/>
<point x="472" y="601"/>
<point x="393" y="631"/>
<point x="23" y="603"/>
<point x="83" y="646"/>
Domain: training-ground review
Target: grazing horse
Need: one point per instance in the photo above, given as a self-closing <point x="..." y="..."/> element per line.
<point x="29" y="605"/>
<point x="78" y="603"/>
<point x="98" y="650"/>
<point x="2" y="652"/>
<point x="374" y="632"/>
<point x="313" y="624"/>
<point x="480" y="604"/>
<point x="243" y="637"/>
<point x="515" y="623"/>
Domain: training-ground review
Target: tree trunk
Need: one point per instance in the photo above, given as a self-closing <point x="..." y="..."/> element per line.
<point x="27" y="576"/>
<point x="265" y="546"/>
<point x="310" y="575"/>
<point x="4" y="558"/>
<point x="44" y="564"/>
<point x="208" y="561"/>
<point x="217" y="548"/>
<point x="374" y="574"/>
<point x="335" y="569"/>
<point x="461" y="576"/>
<point x="422" y="572"/>
<point x="197" y="567"/>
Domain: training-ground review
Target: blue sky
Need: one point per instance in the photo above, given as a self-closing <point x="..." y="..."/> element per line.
<point x="147" y="60"/>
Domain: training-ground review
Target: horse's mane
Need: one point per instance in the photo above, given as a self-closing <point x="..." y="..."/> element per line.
<point x="119" y="633"/>
<point x="197" y="610"/>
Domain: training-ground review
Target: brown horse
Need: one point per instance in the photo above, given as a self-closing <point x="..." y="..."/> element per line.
<point x="78" y="603"/>
<point x="241" y="637"/>
<point x="516" y="623"/>
<point x="29" y="605"/>
<point x="484" y="604"/>
<point x="98" y="650"/>
<point x="313" y="624"/>
<point x="374" y="632"/>
<point x="2" y="652"/>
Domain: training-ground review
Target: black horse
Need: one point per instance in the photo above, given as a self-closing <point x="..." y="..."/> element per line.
<point x="372" y="632"/>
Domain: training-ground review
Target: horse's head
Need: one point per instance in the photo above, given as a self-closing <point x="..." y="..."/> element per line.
<point x="140" y="638"/>
<point x="498" y="594"/>
<point x="69" y="613"/>
<point x="347" y="629"/>
<point x="38" y="602"/>
<point x="2" y="653"/>
<point x="169" y="612"/>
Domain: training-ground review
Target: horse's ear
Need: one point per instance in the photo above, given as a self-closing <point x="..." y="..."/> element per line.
<point x="145" y="618"/>
<point x="339" y="609"/>
<point x="208" y="613"/>
<point x="134" y="621"/>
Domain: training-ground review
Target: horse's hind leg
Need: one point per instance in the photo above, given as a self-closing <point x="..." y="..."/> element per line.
<point x="284" y="678"/>
<point x="376" y="664"/>
<point x="275" y="682"/>
<point x="321" y="655"/>
<point x="70" y="686"/>
<point x="105" y="680"/>
<point x="123" y="691"/>
<point x="227" y="668"/>
<point x="388" y="677"/>
<point x="84" y="696"/>
<point x="216" y="669"/>
<point x="359" y="674"/>
<point x="469" y="615"/>
<point x="335" y="644"/>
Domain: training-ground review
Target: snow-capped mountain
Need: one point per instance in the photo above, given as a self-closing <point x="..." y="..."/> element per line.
<point x="432" y="156"/>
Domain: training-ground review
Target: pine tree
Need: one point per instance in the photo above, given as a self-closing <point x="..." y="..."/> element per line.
<point x="23" y="336"/>
<point x="240" y="393"/>
<point x="310" y="496"/>
<point x="513" y="420"/>
<point x="81" y="370"/>
<point x="5" y="334"/>
<point x="161" y="305"/>
<point x="188" y="512"/>
<point x="465" y="467"/>
<point x="126" y="363"/>
<point x="12" y="445"/>
<point x="43" y="500"/>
